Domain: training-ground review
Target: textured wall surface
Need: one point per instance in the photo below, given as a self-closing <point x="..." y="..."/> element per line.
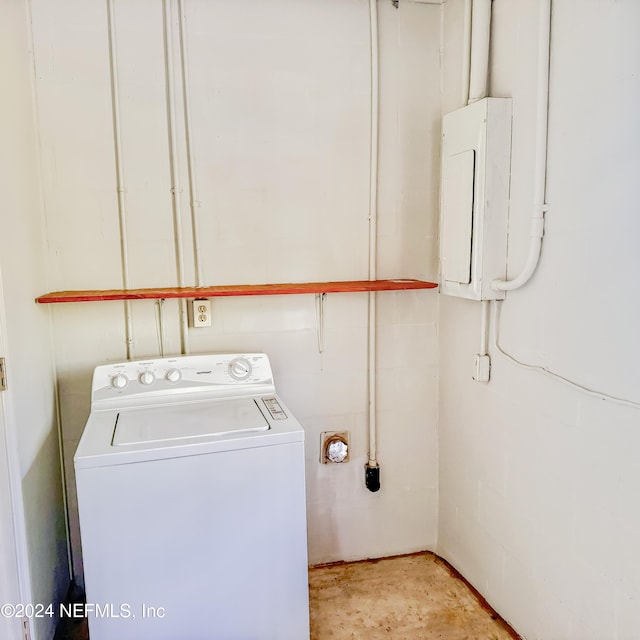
<point x="539" y="481"/>
<point x="280" y="99"/>
<point x="29" y="401"/>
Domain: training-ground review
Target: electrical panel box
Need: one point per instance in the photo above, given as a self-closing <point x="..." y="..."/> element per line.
<point x="476" y="168"/>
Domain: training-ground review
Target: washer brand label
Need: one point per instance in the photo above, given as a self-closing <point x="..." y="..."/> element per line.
<point x="274" y="408"/>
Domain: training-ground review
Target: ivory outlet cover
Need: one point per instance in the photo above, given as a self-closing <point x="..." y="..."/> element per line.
<point x="201" y="313"/>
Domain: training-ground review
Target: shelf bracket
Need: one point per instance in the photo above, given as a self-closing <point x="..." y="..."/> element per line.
<point x="320" y="305"/>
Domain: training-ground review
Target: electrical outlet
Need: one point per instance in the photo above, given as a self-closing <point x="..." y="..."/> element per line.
<point x="201" y="313"/>
<point x="482" y="368"/>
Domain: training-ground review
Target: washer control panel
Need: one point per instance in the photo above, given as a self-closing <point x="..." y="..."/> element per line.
<point x="274" y="408"/>
<point x="220" y="374"/>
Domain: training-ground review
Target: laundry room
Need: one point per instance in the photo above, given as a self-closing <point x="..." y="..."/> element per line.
<point x="278" y="167"/>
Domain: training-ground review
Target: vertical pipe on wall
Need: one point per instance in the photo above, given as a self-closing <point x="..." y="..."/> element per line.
<point x="321" y="299"/>
<point x="117" y="139"/>
<point x="484" y="329"/>
<point x="372" y="471"/>
<point x="540" y="171"/>
<point x="193" y="188"/>
<point x="159" y="306"/>
<point x="63" y="469"/>
<point x="466" y="53"/>
<point x="175" y="173"/>
<point x="480" y="42"/>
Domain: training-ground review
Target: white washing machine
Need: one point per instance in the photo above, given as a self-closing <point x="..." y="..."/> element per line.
<point x="191" y="496"/>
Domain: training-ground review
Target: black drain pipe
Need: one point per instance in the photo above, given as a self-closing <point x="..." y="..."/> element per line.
<point x="372" y="477"/>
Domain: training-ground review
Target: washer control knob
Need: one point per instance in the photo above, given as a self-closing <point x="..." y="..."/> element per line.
<point x="240" y="368"/>
<point x="173" y="375"/>
<point x="119" y="381"/>
<point x="147" y="377"/>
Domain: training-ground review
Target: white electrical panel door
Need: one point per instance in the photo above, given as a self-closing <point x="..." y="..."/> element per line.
<point x="476" y="166"/>
<point x="457" y="200"/>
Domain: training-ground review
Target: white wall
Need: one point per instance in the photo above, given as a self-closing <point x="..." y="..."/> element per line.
<point x="280" y="93"/>
<point x="29" y="400"/>
<point x="539" y="482"/>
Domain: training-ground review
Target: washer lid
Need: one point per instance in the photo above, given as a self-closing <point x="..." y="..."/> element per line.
<point x="176" y="422"/>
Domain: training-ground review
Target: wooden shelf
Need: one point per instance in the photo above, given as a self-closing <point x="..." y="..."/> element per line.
<point x="348" y="286"/>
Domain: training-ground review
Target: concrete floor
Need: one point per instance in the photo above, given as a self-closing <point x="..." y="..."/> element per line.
<point x="416" y="597"/>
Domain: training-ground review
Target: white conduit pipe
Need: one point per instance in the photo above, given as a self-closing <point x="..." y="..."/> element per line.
<point x="122" y="208"/>
<point x="160" y="325"/>
<point x="466" y="53"/>
<point x="193" y="189"/>
<point x="532" y="367"/>
<point x="175" y="174"/>
<point x="484" y="330"/>
<point x="373" y="229"/>
<point x="480" y="42"/>
<point x="477" y="43"/>
<point x="61" y="446"/>
<point x="540" y="172"/>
